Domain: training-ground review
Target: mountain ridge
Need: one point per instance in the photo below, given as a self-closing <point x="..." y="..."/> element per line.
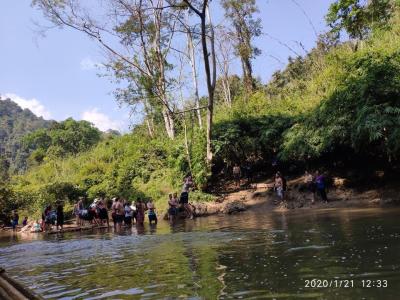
<point x="16" y="122"/>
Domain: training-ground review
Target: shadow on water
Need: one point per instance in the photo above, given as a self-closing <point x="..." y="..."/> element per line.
<point x="254" y="255"/>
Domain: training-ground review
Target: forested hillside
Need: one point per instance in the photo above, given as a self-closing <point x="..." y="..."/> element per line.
<point x="16" y="122"/>
<point x="335" y="108"/>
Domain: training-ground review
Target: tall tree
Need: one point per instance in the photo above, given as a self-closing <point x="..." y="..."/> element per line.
<point x="137" y="36"/>
<point x="358" y="17"/>
<point x="225" y="56"/>
<point x="208" y="46"/>
<point x="192" y="60"/>
<point x="246" y="28"/>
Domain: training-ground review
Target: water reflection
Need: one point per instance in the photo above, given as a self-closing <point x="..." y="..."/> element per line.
<point x="254" y="255"/>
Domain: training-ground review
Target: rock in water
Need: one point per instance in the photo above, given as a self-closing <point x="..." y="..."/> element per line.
<point x="234" y="207"/>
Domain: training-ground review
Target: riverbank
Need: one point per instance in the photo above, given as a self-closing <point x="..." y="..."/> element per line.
<point x="260" y="195"/>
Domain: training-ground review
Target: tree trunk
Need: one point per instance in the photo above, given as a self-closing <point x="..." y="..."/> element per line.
<point x="248" y="75"/>
<point x="192" y="60"/>
<point x="187" y="145"/>
<point x="169" y="123"/>
<point x="210" y="80"/>
<point x="204" y="14"/>
<point x="227" y="91"/>
<point x="226" y="84"/>
<point x="167" y="114"/>
<point x="150" y="129"/>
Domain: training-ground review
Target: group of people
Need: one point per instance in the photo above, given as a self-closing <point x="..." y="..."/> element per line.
<point x="315" y="183"/>
<point x="51" y="217"/>
<point x="122" y="212"/>
<point x="126" y="213"/>
<point x="15" y="220"/>
<point x="175" y="204"/>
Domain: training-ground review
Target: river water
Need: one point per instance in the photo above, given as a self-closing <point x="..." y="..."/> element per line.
<point x="252" y="255"/>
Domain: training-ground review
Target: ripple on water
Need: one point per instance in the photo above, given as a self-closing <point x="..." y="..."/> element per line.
<point x="305" y="248"/>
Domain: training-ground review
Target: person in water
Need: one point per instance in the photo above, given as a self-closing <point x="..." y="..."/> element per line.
<point x="78" y="207"/>
<point x="128" y="214"/>
<point x="60" y="216"/>
<point x="49" y="218"/>
<point x="36" y="227"/>
<point x="152" y="212"/>
<point x="173" y="208"/>
<point x="14" y="220"/>
<point x="134" y="212"/>
<point x="119" y="214"/>
<point x="102" y="213"/>
<point x="113" y="212"/>
<point x="320" y="184"/>
<point x="184" y="202"/>
<point x="140" y="209"/>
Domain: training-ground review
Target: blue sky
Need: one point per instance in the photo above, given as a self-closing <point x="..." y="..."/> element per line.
<point x="55" y="76"/>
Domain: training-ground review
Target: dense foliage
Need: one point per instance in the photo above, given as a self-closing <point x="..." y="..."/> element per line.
<point x="337" y="105"/>
<point x="61" y="139"/>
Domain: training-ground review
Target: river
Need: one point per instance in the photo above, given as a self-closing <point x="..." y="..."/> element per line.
<point x="351" y="254"/>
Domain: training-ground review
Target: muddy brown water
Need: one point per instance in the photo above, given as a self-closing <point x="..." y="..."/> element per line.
<point x="324" y="254"/>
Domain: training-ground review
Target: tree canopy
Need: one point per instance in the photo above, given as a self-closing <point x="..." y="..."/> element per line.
<point x="62" y="139"/>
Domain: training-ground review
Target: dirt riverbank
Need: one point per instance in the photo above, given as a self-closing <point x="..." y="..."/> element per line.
<point x="261" y="195"/>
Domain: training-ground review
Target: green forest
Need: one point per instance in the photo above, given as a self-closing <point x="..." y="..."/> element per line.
<point x="335" y="108"/>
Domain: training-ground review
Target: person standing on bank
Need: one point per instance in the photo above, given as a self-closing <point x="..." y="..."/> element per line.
<point x="320" y="183"/>
<point x="278" y="185"/>
<point x="309" y="182"/>
<point x="236" y="174"/>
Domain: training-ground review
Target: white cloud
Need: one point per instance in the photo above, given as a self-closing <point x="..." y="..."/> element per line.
<point x="102" y="121"/>
<point x="88" y="64"/>
<point x="32" y="104"/>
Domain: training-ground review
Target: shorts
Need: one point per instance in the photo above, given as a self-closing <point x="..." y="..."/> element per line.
<point x="60" y="221"/>
<point x="118" y="218"/>
<point x="173" y="211"/>
<point x="152" y="217"/>
<point x="128" y="220"/>
<point x="184" y="198"/>
<point x="50" y="221"/>
<point x="279" y="192"/>
<point x="103" y="215"/>
<point x="311" y="187"/>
